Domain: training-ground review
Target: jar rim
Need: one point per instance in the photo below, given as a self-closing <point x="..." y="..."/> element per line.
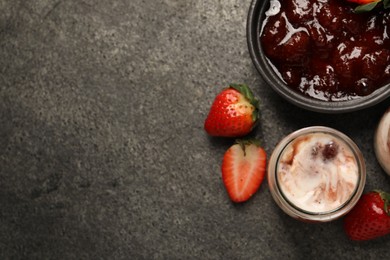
<point x="295" y="211"/>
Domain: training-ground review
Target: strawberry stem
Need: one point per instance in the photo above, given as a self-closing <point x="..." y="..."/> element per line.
<point x="244" y="142"/>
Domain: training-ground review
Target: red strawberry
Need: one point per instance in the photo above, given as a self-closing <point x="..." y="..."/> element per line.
<point x="243" y="169"/>
<point x="370" y="218"/>
<point x="233" y="113"/>
<point x="362" y="2"/>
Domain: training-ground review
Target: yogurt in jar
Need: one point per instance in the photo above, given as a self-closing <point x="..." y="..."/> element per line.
<point x="317" y="172"/>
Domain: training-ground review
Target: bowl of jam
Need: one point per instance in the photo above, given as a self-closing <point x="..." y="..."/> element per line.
<point x="320" y="54"/>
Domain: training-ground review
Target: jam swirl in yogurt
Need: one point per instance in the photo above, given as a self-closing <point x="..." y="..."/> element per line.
<point x="324" y="50"/>
<point x="318" y="172"/>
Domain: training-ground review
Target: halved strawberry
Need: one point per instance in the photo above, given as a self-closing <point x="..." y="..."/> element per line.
<point x="243" y="169"/>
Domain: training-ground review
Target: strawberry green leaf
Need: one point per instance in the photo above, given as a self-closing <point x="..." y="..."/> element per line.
<point x="386" y="4"/>
<point x="248" y="94"/>
<point x="366" y="7"/>
<point x="386" y="199"/>
<point x="255" y="115"/>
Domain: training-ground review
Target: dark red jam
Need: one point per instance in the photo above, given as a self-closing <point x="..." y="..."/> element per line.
<point x="324" y="50"/>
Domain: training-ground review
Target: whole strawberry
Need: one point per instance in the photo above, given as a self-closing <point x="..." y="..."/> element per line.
<point x="243" y="169"/>
<point x="370" y="218"/>
<point x="233" y="113"/>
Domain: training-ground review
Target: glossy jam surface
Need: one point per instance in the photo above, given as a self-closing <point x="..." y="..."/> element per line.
<point x="322" y="49"/>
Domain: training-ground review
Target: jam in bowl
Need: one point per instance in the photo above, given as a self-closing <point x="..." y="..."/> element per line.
<point x="319" y="54"/>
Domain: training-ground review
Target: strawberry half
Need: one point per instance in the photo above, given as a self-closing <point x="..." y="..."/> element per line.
<point x="370" y="218"/>
<point x="243" y="169"/>
<point x="233" y="113"/>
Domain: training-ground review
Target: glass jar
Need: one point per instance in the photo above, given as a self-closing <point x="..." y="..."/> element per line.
<point x="316" y="174"/>
<point x="382" y="141"/>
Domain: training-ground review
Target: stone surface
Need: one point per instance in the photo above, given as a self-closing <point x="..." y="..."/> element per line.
<point x="103" y="153"/>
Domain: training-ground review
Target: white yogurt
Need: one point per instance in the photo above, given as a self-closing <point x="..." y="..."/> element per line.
<point x="317" y="172"/>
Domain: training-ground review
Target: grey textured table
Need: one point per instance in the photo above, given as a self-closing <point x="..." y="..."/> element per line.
<point x="103" y="153"/>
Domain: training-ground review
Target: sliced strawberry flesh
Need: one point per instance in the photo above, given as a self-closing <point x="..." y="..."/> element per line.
<point x="243" y="171"/>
